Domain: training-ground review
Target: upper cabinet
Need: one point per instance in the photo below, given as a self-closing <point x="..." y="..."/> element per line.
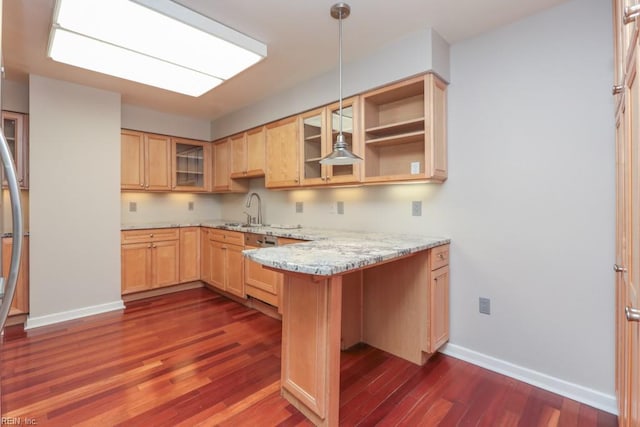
<point x="405" y="134"/>
<point x="222" y="182"/>
<point x="16" y="127"/>
<point x="191" y="165"/>
<point x="145" y="161"/>
<point x="247" y="154"/>
<point x="318" y="131"/>
<point x="282" y="151"/>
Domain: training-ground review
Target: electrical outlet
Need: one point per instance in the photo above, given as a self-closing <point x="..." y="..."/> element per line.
<point x="133" y="207"/>
<point x="485" y="305"/>
<point x="190" y="206"/>
<point x="415" y="168"/>
<point x="340" y="207"/>
<point x="416" y="208"/>
<point x="299" y="207"/>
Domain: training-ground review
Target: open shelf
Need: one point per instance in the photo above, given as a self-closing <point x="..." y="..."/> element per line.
<point x="313" y="159"/>
<point x="404" y="138"/>
<point x="410" y="125"/>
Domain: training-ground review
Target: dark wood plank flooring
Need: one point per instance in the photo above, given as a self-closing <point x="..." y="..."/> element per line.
<point x="197" y="358"/>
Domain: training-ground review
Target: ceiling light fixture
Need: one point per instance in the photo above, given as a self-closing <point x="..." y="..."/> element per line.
<point x="155" y="42"/>
<point x="340" y="154"/>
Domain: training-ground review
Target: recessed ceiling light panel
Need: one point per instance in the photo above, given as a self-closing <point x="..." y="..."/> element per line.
<point x="171" y="43"/>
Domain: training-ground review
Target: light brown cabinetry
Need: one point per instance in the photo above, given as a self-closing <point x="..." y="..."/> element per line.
<point x="189" y="254"/>
<point x="318" y="131"/>
<point x="150" y="259"/>
<point x="191" y="165"/>
<point x="282" y="153"/>
<point x="404" y="127"/>
<point x="224" y="261"/>
<point x="438" y="299"/>
<point x="16" y="132"/>
<point x="222" y="182"/>
<point x="145" y="162"/>
<point x="20" y="304"/>
<point x="627" y="263"/>
<point x="247" y="154"/>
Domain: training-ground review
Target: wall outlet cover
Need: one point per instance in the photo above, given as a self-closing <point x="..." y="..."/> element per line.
<point x="340" y="208"/>
<point x="416" y="208"/>
<point x="133" y="207"/>
<point x="485" y="305"/>
<point x="415" y="168"/>
<point x="190" y="206"/>
<point x="299" y="207"/>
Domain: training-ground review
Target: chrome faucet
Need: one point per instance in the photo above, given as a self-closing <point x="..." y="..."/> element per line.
<point x="248" y="205"/>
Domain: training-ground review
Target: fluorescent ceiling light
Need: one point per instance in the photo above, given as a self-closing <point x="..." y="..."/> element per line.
<point x="171" y="47"/>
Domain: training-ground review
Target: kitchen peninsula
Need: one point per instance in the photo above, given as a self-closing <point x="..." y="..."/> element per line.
<point x="390" y="291"/>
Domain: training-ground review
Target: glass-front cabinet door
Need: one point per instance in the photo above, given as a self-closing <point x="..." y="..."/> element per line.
<point x="344" y="173"/>
<point x="15" y="128"/>
<point x="312" y="146"/>
<point x="191" y="165"/>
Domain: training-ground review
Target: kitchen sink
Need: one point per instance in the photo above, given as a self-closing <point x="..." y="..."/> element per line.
<point x="241" y="224"/>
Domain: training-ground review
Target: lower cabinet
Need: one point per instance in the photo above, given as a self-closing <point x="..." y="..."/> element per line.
<point x="438" y="299"/>
<point x="222" y="260"/>
<point x="189" y="254"/>
<point x="150" y="259"/>
<point x="20" y="304"/>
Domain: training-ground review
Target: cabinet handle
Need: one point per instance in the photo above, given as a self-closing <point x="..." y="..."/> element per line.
<point x="617" y="89"/>
<point x="631" y="13"/>
<point x="619" y="269"/>
<point x="633" y="314"/>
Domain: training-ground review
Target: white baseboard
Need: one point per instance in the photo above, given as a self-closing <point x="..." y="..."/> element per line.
<point x="50" y="319"/>
<point x="573" y="391"/>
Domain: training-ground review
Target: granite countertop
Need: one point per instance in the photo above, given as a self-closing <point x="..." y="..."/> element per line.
<point x="326" y="252"/>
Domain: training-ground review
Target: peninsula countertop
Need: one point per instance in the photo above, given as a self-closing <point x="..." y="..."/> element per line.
<point x="326" y="252"/>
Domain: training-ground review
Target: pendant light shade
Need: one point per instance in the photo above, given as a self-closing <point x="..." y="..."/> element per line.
<point x="340" y="154"/>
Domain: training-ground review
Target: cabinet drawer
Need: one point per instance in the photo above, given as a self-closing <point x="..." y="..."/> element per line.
<point x="150" y="235"/>
<point x="226" y="236"/>
<point x="439" y="257"/>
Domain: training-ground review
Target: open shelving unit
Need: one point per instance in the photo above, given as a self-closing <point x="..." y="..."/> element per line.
<point x="401" y="124"/>
<point x="189" y="167"/>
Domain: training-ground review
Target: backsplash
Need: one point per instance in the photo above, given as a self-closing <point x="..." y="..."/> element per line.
<point x="147" y="207"/>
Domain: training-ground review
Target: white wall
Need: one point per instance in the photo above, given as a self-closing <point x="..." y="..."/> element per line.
<point x="147" y="120"/>
<point x="74" y="199"/>
<point x="529" y="203"/>
<point x="15" y="96"/>
<point x="412" y="54"/>
<point x="158" y="208"/>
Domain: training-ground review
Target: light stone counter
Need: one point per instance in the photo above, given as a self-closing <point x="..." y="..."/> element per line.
<point x="326" y="253"/>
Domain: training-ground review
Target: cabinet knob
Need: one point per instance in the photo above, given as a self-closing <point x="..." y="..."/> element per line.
<point x="633" y="314"/>
<point x="619" y="269"/>
<point x="441" y="256"/>
<point x="631" y="13"/>
<point x="142" y="185"/>
<point x="617" y="89"/>
<point x="151" y="235"/>
<point x="149" y="245"/>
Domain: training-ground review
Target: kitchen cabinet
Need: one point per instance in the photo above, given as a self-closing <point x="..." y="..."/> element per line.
<point x="20" y="304"/>
<point x="150" y="259"/>
<point x="16" y="132"/>
<point x="189" y="254"/>
<point x="222" y="181"/>
<point x="191" y="165"/>
<point x="405" y="131"/>
<point x="318" y="131"/>
<point x="282" y="154"/>
<point x="225" y="262"/>
<point x="627" y="263"/>
<point x="145" y="163"/>
<point x="248" y="154"/>
<point x="438" y="299"/>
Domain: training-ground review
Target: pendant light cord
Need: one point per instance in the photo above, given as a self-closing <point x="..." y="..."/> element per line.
<point x="340" y="70"/>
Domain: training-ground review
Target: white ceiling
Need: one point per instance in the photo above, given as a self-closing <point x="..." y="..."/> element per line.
<point x="301" y="37"/>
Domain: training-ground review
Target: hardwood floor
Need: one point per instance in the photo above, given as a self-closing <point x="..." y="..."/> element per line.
<point x="196" y="358"/>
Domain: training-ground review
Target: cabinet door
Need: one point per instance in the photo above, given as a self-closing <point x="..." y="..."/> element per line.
<point x="342" y="174"/>
<point x="16" y="130"/>
<point x="136" y="267"/>
<point x="282" y="154"/>
<point x="189" y="254"/>
<point x="438" y="309"/>
<point x="165" y="260"/>
<point x="20" y="304"/>
<point x="132" y="160"/>
<point x="436" y="137"/>
<point x="205" y="258"/>
<point x="190" y="164"/>
<point x="221" y="169"/>
<point x="157" y="162"/>
<point x="255" y="152"/>
<point x="313" y="146"/>
<point x="235" y="270"/>
<point x="238" y="156"/>
<point x="217" y="264"/>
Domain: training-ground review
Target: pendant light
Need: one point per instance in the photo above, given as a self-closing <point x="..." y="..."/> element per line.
<point x="340" y="154"/>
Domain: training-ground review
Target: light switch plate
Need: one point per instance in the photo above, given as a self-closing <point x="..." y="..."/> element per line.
<point x="415" y="168"/>
<point x="190" y="206"/>
<point x="416" y="208"/>
<point x="484" y="305"/>
<point x="299" y="207"/>
<point x="340" y="208"/>
<point x="133" y="207"/>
